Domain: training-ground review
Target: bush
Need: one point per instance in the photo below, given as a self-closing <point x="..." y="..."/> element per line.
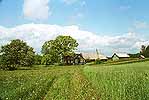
<point x="16" y="53"/>
<point x="98" y="61"/>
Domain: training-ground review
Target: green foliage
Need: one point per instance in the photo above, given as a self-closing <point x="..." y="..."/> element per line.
<point x="134" y="55"/>
<point x="98" y="61"/>
<point x="1" y="67"/>
<point x="37" y="59"/>
<point x="65" y="45"/>
<point x="143" y="47"/>
<point x="17" y="53"/>
<point x="46" y="48"/>
<point x="55" y="50"/>
<point x="146" y="52"/>
<point x="48" y="59"/>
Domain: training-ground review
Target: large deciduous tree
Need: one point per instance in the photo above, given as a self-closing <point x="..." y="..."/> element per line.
<point x="37" y="59"/>
<point x="143" y="47"/>
<point x="17" y="53"/>
<point x="55" y="50"/>
<point x="146" y="52"/>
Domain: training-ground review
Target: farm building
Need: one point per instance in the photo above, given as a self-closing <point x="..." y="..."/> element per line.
<point x="141" y="57"/>
<point x="117" y="56"/>
<point x="82" y="58"/>
<point x="94" y="56"/>
<point x="76" y="59"/>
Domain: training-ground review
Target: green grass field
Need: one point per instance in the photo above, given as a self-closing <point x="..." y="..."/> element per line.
<point x="88" y="82"/>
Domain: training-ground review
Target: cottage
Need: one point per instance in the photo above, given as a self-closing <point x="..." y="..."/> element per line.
<point x="75" y="59"/>
<point x="82" y="58"/>
<point x="117" y="56"/>
<point x="78" y="59"/>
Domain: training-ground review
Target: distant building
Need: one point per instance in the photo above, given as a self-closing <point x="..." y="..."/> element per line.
<point x="94" y="56"/>
<point x="141" y="57"/>
<point x="76" y="59"/>
<point x="82" y="58"/>
<point x="117" y="56"/>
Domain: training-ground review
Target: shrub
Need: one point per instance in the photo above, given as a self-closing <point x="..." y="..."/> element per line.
<point x="98" y="61"/>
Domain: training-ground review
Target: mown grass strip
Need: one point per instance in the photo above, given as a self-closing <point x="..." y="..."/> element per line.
<point x="72" y="85"/>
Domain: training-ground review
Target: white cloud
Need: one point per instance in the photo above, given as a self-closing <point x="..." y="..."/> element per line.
<point x="139" y="43"/>
<point x="69" y="2"/>
<point x="36" y="34"/>
<point x="36" y="9"/>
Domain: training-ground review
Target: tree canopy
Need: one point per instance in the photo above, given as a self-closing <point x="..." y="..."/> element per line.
<point x="146" y="52"/>
<point x="55" y="50"/>
<point x="37" y="59"/>
<point x="143" y="47"/>
<point x="17" y="53"/>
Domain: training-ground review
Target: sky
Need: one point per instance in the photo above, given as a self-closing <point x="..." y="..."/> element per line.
<point x="107" y="25"/>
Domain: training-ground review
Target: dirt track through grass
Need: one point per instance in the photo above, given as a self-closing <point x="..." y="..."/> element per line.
<point x="72" y="85"/>
<point x="67" y="83"/>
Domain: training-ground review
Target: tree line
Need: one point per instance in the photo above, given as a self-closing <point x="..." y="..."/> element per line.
<point x="144" y="51"/>
<point x="17" y="53"/>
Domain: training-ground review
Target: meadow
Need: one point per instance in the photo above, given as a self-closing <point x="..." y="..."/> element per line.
<point x="84" y="82"/>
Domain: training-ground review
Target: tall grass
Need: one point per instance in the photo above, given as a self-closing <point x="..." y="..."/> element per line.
<point x="56" y="83"/>
<point x="120" y="82"/>
<point x="96" y="82"/>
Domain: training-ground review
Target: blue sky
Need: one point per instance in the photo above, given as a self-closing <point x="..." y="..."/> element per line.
<point x="100" y="16"/>
<point x="107" y="18"/>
